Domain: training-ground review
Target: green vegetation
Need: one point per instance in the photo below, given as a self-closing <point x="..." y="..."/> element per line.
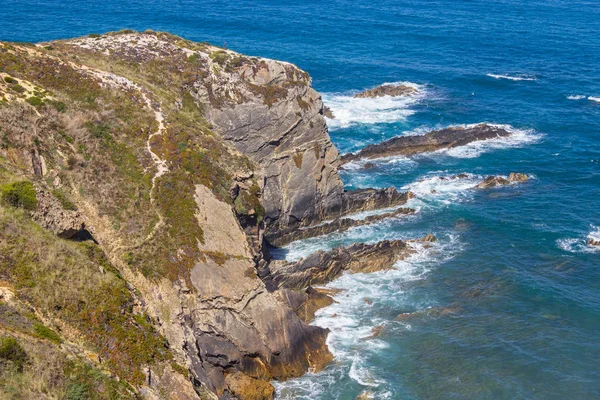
<point x="10" y="80"/>
<point x="11" y="350"/>
<point x="44" y="332"/>
<point x="35" y="101"/>
<point x="19" y="194"/>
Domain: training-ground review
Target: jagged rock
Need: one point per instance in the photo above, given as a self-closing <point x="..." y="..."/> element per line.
<point x="51" y="215"/>
<point x="432" y="141"/>
<point x="593" y="242"/>
<point x="306" y="303"/>
<point x="517" y="177"/>
<point x="247" y="388"/>
<point x="337" y="225"/>
<point x="328" y="113"/>
<point x="388" y="90"/>
<point x="492" y="181"/>
<point x="322" y="267"/>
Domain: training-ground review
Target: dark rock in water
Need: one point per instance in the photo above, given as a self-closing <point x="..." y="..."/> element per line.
<point x="432" y="141"/>
<point x="517" y="177"/>
<point x="337" y="225"/>
<point x="350" y="202"/>
<point x="460" y="176"/>
<point x="593" y="242"/>
<point x="492" y="181"/>
<point x="328" y="113"/>
<point x="322" y="267"/>
<point x="369" y="165"/>
<point x="387" y="90"/>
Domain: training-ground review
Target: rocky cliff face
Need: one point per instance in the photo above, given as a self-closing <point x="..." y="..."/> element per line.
<point x="176" y="159"/>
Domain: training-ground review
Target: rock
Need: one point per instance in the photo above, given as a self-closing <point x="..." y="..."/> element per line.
<point x="388" y="90"/>
<point x="517" y="177"/>
<point x="369" y="165"/>
<point x="376" y="331"/>
<point x="593" y="242"/>
<point x="365" y="395"/>
<point x="492" y="181"/>
<point x="247" y="388"/>
<point x="51" y="215"/>
<point x="306" y="303"/>
<point x="337" y="225"/>
<point x="328" y="113"/>
<point x="322" y="267"/>
<point x="432" y="141"/>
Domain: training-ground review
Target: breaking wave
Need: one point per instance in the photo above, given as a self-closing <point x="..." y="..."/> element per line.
<point x="349" y="110"/>
<point x="514" y="77"/>
<point x="580" y="245"/>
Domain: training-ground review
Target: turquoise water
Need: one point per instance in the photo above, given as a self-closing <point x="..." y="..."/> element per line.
<point x="507" y="304"/>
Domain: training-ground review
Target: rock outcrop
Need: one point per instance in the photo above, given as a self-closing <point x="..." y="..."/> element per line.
<point x="52" y="215"/>
<point x="322" y="267"/>
<point x="593" y="242"/>
<point x="432" y="141"/>
<point x="494" y="181"/>
<point x="388" y="90"/>
<point x="336" y="225"/>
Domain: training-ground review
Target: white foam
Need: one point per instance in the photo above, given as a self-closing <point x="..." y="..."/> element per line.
<point x="594" y="99"/>
<point x="517" y="138"/>
<point x="445" y="189"/>
<point x="580" y="245"/>
<point x="576" y="97"/>
<point x="351" y="321"/>
<point x="386" y="109"/>
<point x="515" y="77"/>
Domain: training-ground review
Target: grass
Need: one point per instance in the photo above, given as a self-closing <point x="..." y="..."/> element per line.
<point x="11" y="350"/>
<point x="19" y="194"/>
<point x="44" y="332"/>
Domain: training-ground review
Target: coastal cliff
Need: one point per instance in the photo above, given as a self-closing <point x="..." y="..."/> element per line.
<point x="143" y="179"/>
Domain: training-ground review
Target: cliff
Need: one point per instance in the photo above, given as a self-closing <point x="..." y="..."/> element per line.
<point x="142" y="176"/>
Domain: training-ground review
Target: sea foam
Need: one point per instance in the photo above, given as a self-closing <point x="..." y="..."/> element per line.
<point x="580" y="244"/>
<point x="349" y="110"/>
<point x="515" y="77"/>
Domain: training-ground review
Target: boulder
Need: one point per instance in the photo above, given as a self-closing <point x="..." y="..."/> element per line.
<point x="593" y="242"/>
<point x="517" y="177"/>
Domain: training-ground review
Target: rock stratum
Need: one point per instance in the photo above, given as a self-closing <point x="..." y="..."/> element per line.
<point x="143" y="178"/>
<point x="436" y="140"/>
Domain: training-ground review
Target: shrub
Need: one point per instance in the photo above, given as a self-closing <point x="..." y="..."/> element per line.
<point x="19" y="194"/>
<point x="35" y="101"/>
<point x="11" y="350"/>
<point x="44" y="332"/>
<point x="18" y="88"/>
<point x="64" y="200"/>
<point x="94" y="35"/>
<point x="10" y="80"/>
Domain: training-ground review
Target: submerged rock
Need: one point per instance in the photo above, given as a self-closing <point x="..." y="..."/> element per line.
<point x="432" y="141"/>
<point x="387" y="90"/>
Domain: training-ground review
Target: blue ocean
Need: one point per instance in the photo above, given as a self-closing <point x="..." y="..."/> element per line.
<point x="506" y="305"/>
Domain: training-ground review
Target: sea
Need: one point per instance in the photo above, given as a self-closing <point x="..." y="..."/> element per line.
<point x="506" y="304"/>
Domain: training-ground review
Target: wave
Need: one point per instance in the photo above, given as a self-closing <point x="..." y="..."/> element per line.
<point x="594" y="99"/>
<point x="518" y="138"/>
<point x="445" y="189"/>
<point x="352" y="321"/>
<point x="350" y="111"/>
<point x="515" y="77"/>
<point x="580" y="245"/>
<point x="576" y="97"/>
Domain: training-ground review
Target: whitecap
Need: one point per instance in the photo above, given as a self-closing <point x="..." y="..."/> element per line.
<point x="445" y="189"/>
<point x="349" y="110"/>
<point x="580" y="244"/>
<point x="515" y="77"/>
<point x="576" y="97"/>
<point x="594" y="99"/>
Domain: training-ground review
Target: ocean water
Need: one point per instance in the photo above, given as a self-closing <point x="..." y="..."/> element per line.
<point x="506" y="305"/>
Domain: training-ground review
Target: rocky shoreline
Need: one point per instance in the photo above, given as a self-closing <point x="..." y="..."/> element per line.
<point x="180" y="178"/>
